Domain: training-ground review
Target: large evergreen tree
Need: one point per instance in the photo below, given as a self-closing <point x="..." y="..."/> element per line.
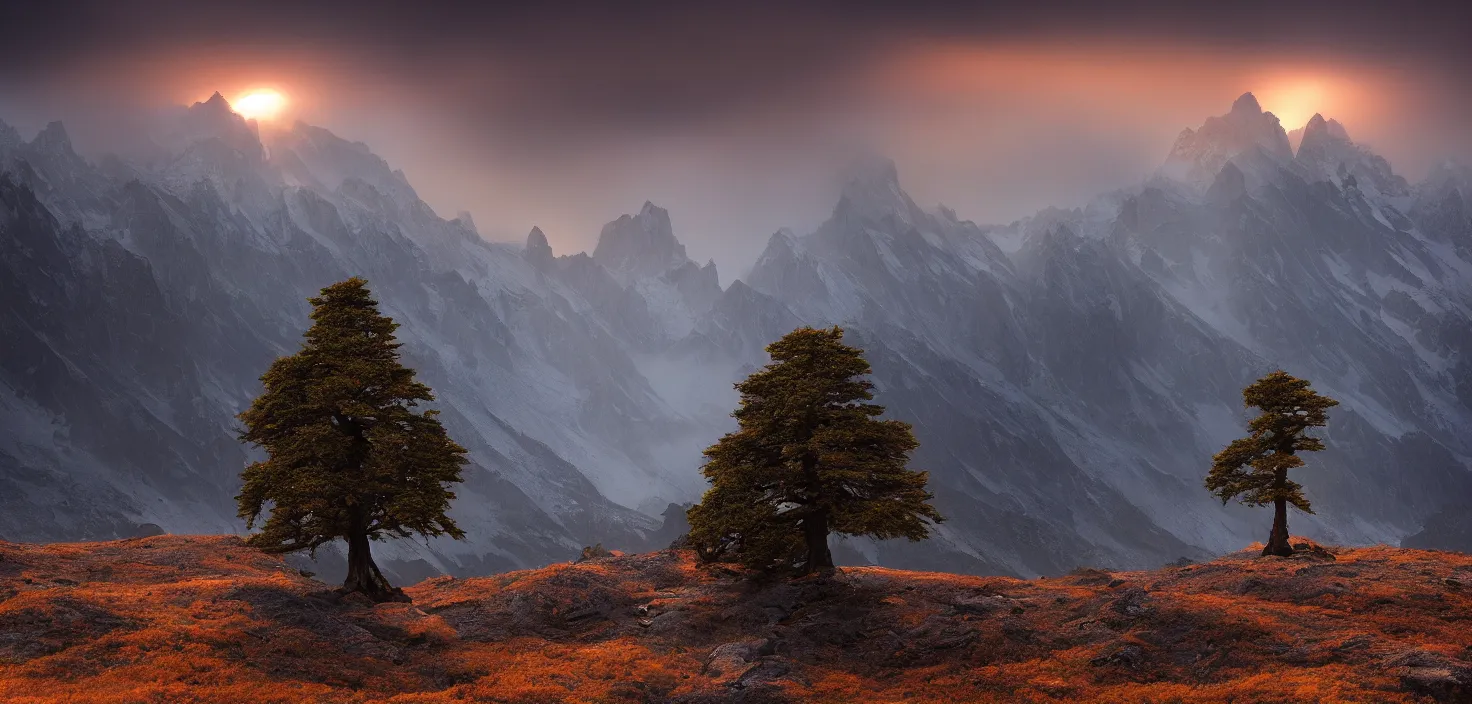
<point x="1254" y="469"/>
<point x="810" y="457"/>
<point x="348" y="454"/>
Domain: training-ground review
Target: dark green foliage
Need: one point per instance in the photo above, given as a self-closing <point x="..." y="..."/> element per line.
<point x="1254" y="469"/>
<point x="810" y="457"/>
<point x="348" y="454"/>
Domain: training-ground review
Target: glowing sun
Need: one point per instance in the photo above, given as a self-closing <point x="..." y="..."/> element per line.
<point x="259" y="104"/>
<point x="1293" y="103"/>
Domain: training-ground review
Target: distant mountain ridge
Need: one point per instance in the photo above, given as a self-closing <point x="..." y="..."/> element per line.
<point x="1068" y="375"/>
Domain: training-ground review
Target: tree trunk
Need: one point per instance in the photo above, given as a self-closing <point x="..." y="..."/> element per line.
<point x="363" y="576"/>
<point x="815" y="524"/>
<point x="1278" y="539"/>
<point x="815" y="533"/>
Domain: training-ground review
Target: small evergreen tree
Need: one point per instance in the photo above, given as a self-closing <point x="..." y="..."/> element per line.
<point x="810" y="457"/>
<point x="1254" y="469"/>
<point x="348" y="456"/>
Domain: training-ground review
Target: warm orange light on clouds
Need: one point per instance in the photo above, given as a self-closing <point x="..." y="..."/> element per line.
<point x="996" y="129"/>
<point x="262" y="104"/>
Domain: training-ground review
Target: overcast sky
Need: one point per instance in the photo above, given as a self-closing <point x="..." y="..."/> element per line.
<point x="738" y="118"/>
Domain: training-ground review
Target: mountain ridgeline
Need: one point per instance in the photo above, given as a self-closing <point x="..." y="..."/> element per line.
<point x="1068" y="376"/>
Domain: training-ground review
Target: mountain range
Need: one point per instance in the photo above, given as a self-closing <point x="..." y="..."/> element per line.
<point x="1068" y="375"/>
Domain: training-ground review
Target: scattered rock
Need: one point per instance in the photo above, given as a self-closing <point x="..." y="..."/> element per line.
<point x="1355" y="643"/>
<point x="766" y="671"/>
<point x="1250" y="585"/>
<point x="729" y="660"/>
<point x="1131" y="656"/>
<point x="668" y="623"/>
<point x="147" y="530"/>
<point x="1132" y="602"/>
<point x="593" y="553"/>
<point x="981" y="605"/>
<point x="1090" y="576"/>
<point x="1018" y="631"/>
<point x="1433" y="675"/>
<point x="1312" y="550"/>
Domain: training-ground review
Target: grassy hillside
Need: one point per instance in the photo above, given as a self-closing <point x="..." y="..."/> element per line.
<point x="205" y="619"/>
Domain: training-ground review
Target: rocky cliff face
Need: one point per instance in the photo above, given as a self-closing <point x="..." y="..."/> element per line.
<point x="1069" y="375"/>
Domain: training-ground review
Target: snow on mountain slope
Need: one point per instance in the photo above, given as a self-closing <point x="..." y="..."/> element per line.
<point x="1069" y="375"/>
<point x="1123" y="332"/>
<point x="159" y="313"/>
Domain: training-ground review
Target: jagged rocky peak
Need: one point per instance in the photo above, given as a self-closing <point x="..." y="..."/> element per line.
<point x="1246" y="104"/>
<point x="781" y="247"/>
<point x="871" y="189"/>
<point x="215" y="119"/>
<point x="640" y="246"/>
<point x="1326" y="153"/>
<point x="467" y="221"/>
<point x="9" y="138"/>
<point x="1320" y="135"/>
<point x="785" y="270"/>
<point x="215" y="104"/>
<point x="538" y="251"/>
<point x="53" y="139"/>
<point x="536" y="241"/>
<point x="1198" y="155"/>
<point x="1320" y="128"/>
<point x="1229" y="185"/>
<point x="700" y="285"/>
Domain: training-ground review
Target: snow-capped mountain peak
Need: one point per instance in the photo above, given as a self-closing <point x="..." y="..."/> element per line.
<point x="1244" y="132"/>
<point x="640" y="246"/>
<point x="215" y="119"/>
<point x="1326" y="153"/>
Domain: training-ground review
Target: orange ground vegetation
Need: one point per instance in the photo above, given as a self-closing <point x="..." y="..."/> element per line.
<point x="206" y="619"/>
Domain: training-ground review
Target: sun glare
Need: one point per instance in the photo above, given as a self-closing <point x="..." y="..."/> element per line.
<point x="259" y="104"/>
<point x="1293" y="103"/>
